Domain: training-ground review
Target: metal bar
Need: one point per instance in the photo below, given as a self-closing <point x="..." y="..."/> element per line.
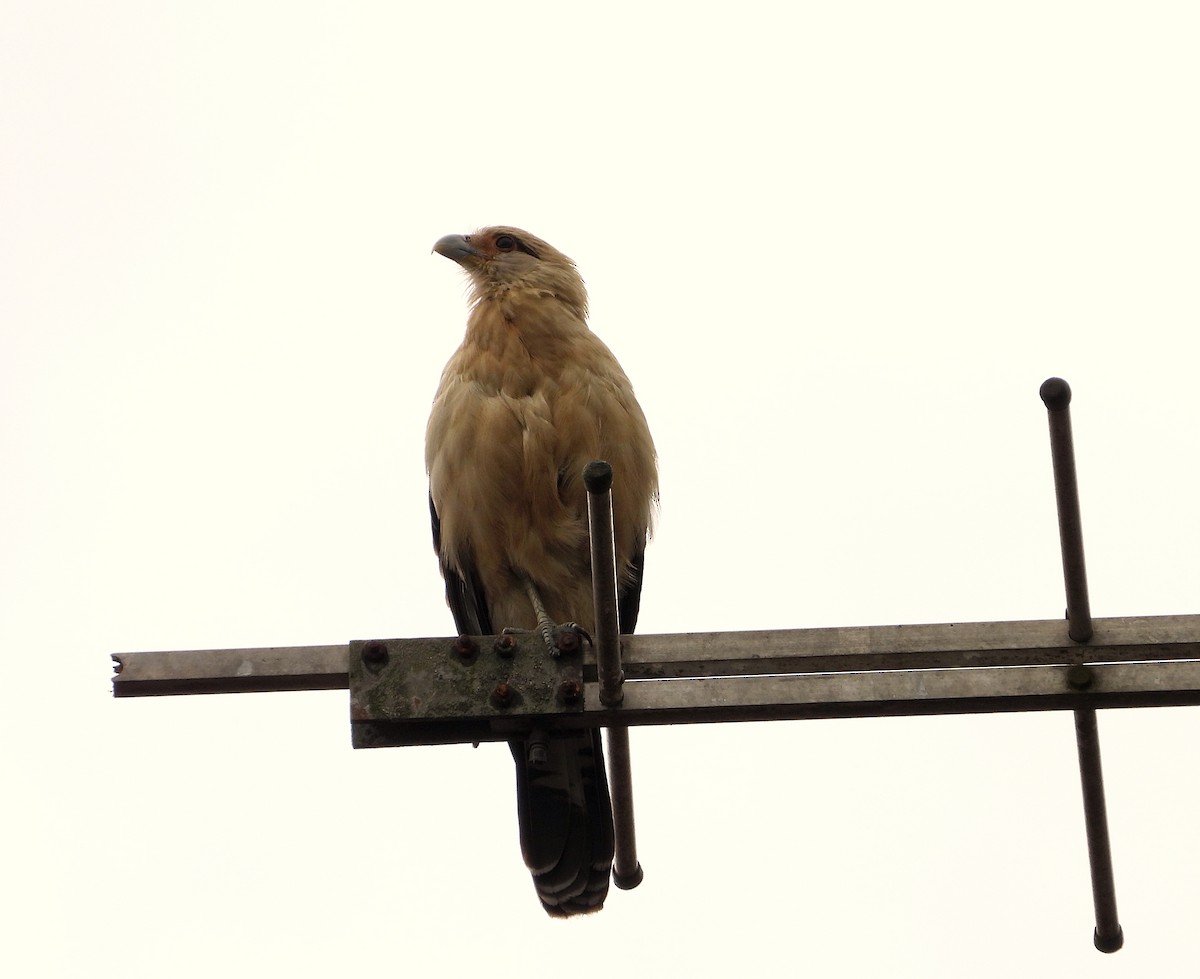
<point x="154" y="674"/>
<point x="905" y="647"/>
<point x="598" y="477"/>
<point x="771" y="698"/>
<point x="1056" y="395"/>
<point x="708" y="699"/>
<point x="627" y="871"/>
<point x="1108" y="936"/>
<point x="860" y="649"/>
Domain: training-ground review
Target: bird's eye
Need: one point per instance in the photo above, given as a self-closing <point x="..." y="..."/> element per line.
<point x="506" y="243"/>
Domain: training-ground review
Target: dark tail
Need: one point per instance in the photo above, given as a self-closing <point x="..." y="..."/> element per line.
<point x="565" y="818"/>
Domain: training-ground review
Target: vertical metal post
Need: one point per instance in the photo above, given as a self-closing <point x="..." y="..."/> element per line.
<point x="1108" y="936"/>
<point x="627" y="871"/>
<point x="598" y="477"/>
<point x="1056" y="394"/>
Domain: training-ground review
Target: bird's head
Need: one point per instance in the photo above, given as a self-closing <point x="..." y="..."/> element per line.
<point x="502" y="258"/>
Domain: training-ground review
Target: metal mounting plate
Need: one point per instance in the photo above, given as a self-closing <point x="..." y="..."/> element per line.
<point x="431" y="691"/>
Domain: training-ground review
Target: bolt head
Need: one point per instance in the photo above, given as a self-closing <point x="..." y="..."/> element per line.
<point x="503" y="695"/>
<point x="569" y="692"/>
<point x="375" y="654"/>
<point x="1080" y="677"/>
<point x="506" y="646"/>
<point x="465" y="648"/>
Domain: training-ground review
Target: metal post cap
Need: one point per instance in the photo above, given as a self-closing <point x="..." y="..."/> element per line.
<point x="1056" y="393"/>
<point x="597" y="476"/>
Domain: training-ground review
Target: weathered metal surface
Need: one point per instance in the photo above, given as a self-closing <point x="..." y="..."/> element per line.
<point x="907" y="647"/>
<point x="801" y="696"/>
<point x="433" y="691"/>
<point x="964" y="691"/>
<point x="154" y="674"/>
<point x="860" y="649"/>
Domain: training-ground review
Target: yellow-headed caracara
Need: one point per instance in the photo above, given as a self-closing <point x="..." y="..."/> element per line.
<point x="530" y="398"/>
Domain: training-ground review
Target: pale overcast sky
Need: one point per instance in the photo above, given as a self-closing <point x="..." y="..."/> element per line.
<point x="836" y="246"/>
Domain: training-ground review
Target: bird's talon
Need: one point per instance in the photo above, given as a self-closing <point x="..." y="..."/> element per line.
<point x="568" y="637"/>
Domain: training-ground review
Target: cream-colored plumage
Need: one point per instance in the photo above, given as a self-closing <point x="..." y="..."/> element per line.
<point x="529" y="399"/>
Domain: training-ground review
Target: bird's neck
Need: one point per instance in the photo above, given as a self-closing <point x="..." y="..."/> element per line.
<point x="541" y="319"/>
<point x="516" y="326"/>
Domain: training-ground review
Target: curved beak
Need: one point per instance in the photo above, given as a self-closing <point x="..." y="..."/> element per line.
<point x="456" y="248"/>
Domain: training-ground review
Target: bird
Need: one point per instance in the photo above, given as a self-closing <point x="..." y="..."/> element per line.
<point x="530" y="397"/>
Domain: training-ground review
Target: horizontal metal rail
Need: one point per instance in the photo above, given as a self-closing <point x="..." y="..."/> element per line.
<point x="907" y="647"/>
<point x="800" y="697"/>
<point x="703" y="677"/>
<point x="191" y="671"/>
<point x="1038" y="642"/>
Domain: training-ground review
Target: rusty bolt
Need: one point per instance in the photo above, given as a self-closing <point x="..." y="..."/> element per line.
<point x="506" y="646"/>
<point x="375" y="654"/>
<point x="465" y="648"/>
<point x="569" y="692"/>
<point x="567" y="641"/>
<point x="503" y="695"/>
<point x="1080" y="677"/>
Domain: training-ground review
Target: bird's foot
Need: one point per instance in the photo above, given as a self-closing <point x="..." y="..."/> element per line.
<point x="567" y="637"/>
